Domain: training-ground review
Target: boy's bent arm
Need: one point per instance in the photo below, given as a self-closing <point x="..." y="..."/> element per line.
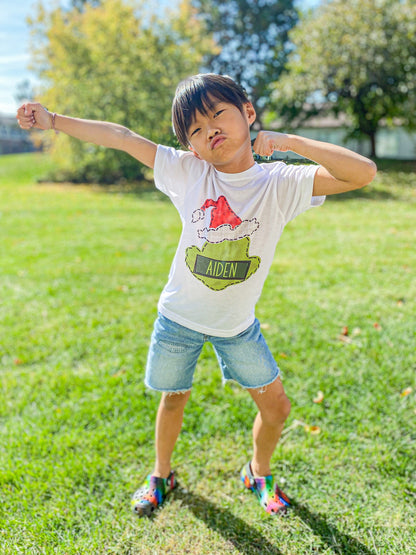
<point x="341" y="169"/>
<point x="110" y="135"/>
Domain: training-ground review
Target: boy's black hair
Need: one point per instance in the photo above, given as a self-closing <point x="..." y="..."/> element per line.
<point x="198" y="93"/>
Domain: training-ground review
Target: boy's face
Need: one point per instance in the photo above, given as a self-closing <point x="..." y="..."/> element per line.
<point x="222" y="137"/>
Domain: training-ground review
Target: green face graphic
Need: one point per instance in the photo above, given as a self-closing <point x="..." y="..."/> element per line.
<point x="219" y="265"/>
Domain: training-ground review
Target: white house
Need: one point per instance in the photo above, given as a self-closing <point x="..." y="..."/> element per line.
<point x="12" y="138"/>
<point x="391" y="142"/>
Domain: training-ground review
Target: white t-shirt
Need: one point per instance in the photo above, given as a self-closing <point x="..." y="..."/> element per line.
<point x="231" y="225"/>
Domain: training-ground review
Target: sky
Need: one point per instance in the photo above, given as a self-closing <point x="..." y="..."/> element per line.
<point x="14" y="44"/>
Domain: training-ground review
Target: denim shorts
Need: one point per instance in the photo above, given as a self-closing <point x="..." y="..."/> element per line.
<point x="174" y="351"/>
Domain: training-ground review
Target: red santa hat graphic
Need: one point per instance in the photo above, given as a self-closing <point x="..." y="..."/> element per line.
<point x="224" y="223"/>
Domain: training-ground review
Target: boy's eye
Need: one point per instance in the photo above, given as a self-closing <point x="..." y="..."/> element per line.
<point x="218" y="113"/>
<point x="195" y="131"/>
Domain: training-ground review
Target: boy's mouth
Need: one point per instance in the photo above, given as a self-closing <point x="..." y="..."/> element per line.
<point x="216" y="141"/>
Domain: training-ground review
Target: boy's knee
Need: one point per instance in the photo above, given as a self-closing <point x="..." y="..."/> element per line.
<point x="278" y="412"/>
<point x="286" y="408"/>
<point x="175" y="401"/>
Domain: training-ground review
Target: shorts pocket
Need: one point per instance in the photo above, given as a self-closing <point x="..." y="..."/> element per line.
<point x="172" y="347"/>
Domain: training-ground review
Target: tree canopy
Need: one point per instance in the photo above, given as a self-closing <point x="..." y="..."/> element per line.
<point x="114" y="61"/>
<point x="80" y="4"/>
<point x="253" y="40"/>
<point x="358" y="57"/>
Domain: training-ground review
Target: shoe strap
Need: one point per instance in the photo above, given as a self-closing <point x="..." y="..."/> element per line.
<point x="155" y="482"/>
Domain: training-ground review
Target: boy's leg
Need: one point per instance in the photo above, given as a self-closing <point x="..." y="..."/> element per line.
<point x="274" y="408"/>
<point x="168" y="425"/>
<point x="173" y="354"/>
<point x="162" y="480"/>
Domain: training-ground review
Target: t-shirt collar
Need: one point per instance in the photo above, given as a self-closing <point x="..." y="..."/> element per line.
<point x="240" y="176"/>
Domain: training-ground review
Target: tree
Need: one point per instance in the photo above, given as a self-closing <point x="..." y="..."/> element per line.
<point x="113" y="62"/>
<point x="24" y="91"/>
<point x="357" y="57"/>
<point x="253" y="40"/>
<point x="80" y="4"/>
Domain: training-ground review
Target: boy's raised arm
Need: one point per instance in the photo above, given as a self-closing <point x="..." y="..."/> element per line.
<point x="341" y="169"/>
<point x="111" y="135"/>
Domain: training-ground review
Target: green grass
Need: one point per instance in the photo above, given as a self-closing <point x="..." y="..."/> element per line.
<point x="81" y="270"/>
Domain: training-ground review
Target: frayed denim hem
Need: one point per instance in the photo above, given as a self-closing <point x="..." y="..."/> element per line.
<point x="168" y="391"/>
<point x="261" y="387"/>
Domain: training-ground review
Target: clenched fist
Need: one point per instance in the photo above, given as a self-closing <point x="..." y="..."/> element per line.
<point x="33" y="114"/>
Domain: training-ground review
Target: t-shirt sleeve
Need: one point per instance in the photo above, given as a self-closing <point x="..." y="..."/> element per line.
<point x="295" y="188"/>
<point x="175" y="171"/>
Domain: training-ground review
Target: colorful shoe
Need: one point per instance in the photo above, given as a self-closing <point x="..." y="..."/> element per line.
<point x="152" y="494"/>
<point x="271" y="498"/>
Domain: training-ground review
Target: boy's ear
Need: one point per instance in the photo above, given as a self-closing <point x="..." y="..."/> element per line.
<point x="250" y="112"/>
<point x="194" y="152"/>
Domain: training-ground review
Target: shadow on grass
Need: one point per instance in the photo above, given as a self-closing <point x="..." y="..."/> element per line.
<point x="338" y="541"/>
<point x="250" y="541"/>
<point x="234" y="530"/>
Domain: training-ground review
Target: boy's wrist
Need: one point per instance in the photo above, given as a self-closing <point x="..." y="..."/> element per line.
<point x="284" y="142"/>
<point x="294" y="142"/>
<point x="52" y="121"/>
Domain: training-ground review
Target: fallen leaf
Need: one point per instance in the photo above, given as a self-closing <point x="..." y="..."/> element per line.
<point x="344" y="330"/>
<point x="17" y="361"/>
<point x="122" y="288"/>
<point x="377" y="326"/>
<point x="344" y="338"/>
<point x="406" y="391"/>
<point x="400" y="302"/>
<point x="265" y="326"/>
<point x="314" y="430"/>
<point x="356" y="331"/>
<point x="319" y="397"/>
<point x="119" y="373"/>
<point x="283" y="355"/>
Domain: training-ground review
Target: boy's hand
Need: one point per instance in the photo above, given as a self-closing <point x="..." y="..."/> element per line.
<point x="33" y="114"/>
<point x="268" y="141"/>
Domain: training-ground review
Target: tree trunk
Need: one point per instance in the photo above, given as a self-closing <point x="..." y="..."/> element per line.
<point x="373" y="144"/>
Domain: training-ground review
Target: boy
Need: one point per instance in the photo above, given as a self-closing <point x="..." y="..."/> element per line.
<point x="233" y="212"/>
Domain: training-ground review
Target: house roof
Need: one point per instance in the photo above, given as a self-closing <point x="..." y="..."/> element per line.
<point x="326" y="121"/>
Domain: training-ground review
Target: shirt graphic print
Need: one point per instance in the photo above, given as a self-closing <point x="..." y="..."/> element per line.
<point x="224" y="258"/>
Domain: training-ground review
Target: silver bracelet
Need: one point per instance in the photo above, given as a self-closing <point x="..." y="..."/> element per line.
<point x="53" y="123"/>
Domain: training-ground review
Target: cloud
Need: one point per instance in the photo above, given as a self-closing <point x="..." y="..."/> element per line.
<point x="9" y="59"/>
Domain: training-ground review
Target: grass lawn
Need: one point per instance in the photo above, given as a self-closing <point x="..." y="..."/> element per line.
<point x="81" y="270"/>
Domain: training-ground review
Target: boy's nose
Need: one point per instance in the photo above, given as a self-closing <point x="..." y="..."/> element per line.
<point x="212" y="132"/>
